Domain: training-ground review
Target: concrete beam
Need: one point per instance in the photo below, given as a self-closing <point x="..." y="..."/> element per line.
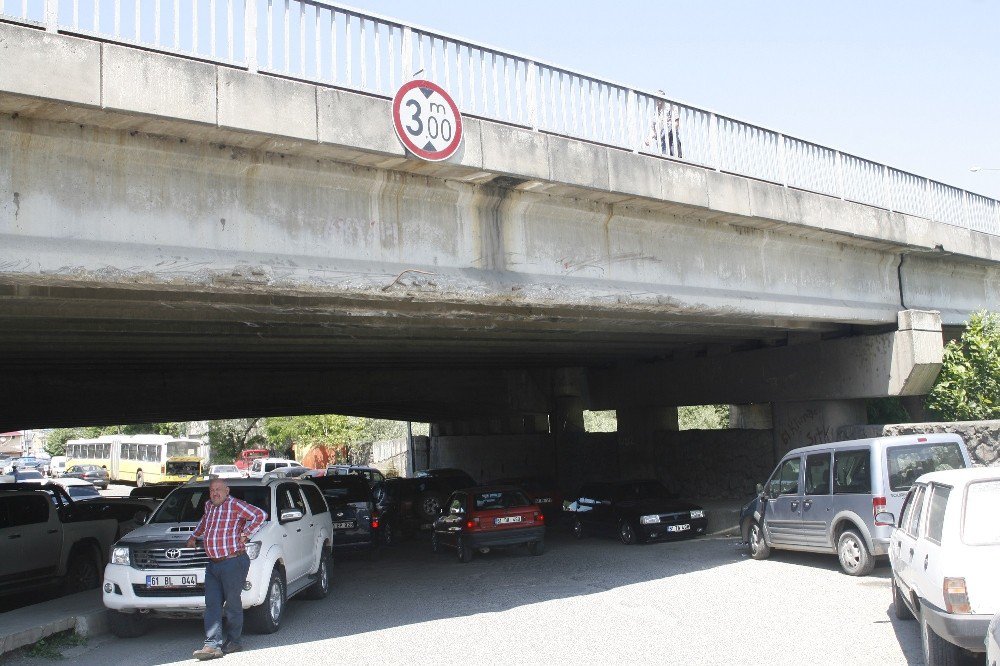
<point x="904" y="362"/>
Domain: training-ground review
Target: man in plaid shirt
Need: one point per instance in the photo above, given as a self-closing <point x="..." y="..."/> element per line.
<point x="225" y="529"/>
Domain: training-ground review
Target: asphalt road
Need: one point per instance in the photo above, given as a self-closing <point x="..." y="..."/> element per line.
<point x="692" y="602"/>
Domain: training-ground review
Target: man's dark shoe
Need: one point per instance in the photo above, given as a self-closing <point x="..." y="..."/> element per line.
<point x="230" y="648"/>
<point x="207" y="652"/>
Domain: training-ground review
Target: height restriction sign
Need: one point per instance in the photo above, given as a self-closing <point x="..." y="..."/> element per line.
<point x="427" y="120"/>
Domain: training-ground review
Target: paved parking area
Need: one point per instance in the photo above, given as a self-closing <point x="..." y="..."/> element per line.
<point x="691" y="602"/>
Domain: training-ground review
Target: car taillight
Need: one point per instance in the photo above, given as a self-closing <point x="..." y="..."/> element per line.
<point x="472" y="523"/>
<point x="878" y="505"/>
<point x="956" y="597"/>
<point x="375" y="520"/>
<point x="539" y="517"/>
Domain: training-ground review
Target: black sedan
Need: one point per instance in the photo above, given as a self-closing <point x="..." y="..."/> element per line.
<point x="636" y="511"/>
<point x="96" y="475"/>
<point x="353" y="512"/>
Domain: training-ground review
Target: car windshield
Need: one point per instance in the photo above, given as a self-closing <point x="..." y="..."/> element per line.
<point x="186" y="505"/>
<point x="982" y="507"/>
<point x="640" y="490"/>
<point x="29" y="475"/>
<point x="500" y="499"/>
<point x="82" y="492"/>
<point x="176" y="449"/>
<point x="906" y="463"/>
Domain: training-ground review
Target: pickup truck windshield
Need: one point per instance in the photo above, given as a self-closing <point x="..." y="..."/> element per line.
<point x="186" y="505"/>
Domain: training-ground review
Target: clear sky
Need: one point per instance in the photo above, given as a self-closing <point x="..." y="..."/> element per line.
<point x="910" y="83"/>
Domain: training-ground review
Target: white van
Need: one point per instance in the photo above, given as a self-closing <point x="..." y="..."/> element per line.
<point x="824" y="498"/>
<point x="57" y="466"/>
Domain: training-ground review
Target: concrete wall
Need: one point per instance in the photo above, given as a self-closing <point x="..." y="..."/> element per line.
<point x="981" y="437"/>
<point x="488" y="457"/>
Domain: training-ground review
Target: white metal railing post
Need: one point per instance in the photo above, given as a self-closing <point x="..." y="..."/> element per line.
<point x="250" y="35"/>
<point x="927" y="198"/>
<point x="631" y="118"/>
<point x="406" y="55"/>
<point x="965" y="209"/>
<point x="838" y="173"/>
<point x="713" y="141"/>
<point x="886" y="190"/>
<point x="51" y="15"/>
<point x="782" y="165"/>
<point x="531" y="94"/>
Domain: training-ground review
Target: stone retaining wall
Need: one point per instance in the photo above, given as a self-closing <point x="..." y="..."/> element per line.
<point x="981" y="437"/>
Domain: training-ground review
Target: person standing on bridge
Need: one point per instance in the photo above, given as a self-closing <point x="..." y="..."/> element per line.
<point x="666" y="127"/>
<point x="226" y="527"/>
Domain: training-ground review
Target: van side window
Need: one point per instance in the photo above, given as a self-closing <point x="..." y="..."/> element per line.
<point x="818" y="474"/>
<point x="786" y="481"/>
<point x="916" y="509"/>
<point x="935" y="512"/>
<point x="851" y="472"/>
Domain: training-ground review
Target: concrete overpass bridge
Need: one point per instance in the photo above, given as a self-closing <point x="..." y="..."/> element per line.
<point x="207" y="222"/>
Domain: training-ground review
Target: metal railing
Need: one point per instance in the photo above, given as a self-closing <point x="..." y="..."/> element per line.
<point x="315" y="40"/>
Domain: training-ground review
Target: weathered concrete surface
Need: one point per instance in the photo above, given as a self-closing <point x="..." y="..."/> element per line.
<point x="82" y="612"/>
<point x="154" y="219"/>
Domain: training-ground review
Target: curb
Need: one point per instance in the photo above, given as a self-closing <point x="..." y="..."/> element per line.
<point x="84" y="613"/>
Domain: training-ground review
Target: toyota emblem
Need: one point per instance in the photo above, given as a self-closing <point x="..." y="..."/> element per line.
<point x="174" y="554"/>
<point x="340" y="514"/>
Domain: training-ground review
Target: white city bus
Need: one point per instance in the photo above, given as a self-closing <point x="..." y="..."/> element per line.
<point x="141" y="459"/>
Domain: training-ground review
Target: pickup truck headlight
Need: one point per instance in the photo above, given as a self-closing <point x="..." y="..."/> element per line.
<point x="120" y="555"/>
<point x="253" y="549"/>
<point x="697" y="513"/>
<point x="648" y="520"/>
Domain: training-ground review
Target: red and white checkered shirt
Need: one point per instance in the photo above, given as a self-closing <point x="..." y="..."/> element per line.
<point x="222" y="526"/>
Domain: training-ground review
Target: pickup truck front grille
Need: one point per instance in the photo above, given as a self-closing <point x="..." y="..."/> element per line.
<point x="168" y="557"/>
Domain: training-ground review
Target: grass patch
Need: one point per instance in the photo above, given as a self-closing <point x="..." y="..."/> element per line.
<point x="52" y="646"/>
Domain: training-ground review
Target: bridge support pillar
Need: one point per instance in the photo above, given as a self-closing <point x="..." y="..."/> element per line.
<point x="568" y="388"/>
<point x="640" y="432"/>
<point x="813" y="422"/>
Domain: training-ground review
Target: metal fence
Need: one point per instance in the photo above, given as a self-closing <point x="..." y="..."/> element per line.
<point x="317" y="41"/>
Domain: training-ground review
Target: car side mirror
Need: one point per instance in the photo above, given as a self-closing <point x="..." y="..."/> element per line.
<point x="885" y="519"/>
<point x="141" y="517"/>
<point x="290" y="515"/>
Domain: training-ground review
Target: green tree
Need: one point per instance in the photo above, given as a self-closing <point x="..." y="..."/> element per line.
<point x="285" y="432"/>
<point x="55" y="444"/>
<point x="968" y="386"/>
<point x="703" y="417"/>
<point x="228" y="437"/>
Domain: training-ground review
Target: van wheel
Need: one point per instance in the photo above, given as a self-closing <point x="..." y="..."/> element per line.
<point x="899" y="606"/>
<point x="626" y="533"/>
<point x="759" y="550"/>
<point x="266" y="618"/>
<point x="937" y="651"/>
<point x="386" y="534"/>
<point x="855" y="559"/>
<point x="321" y="587"/>
<point x="83" y="571"/>
<point x="139" y="483"/>
<point x="127" y="625"/>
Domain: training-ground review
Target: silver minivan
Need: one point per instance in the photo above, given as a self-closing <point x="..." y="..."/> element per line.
<point x="824" y="498"/>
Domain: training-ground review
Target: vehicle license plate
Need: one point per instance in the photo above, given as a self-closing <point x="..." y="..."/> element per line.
<point x="171" y="581"/>
<point x="507" y="519"/>
<point x="678" y="528"/>
<point x="543" y="500"/>
<point x="344" y="526"/>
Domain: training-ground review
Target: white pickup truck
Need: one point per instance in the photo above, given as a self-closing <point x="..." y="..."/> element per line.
<point x="42" y="542"/>
<point x="152" y="572"/>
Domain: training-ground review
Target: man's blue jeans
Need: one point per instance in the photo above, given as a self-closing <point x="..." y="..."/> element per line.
<point x="224" y="583"/>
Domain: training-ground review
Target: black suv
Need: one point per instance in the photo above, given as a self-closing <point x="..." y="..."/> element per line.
<point x="410" y="505"/>
<point x="637" y="511"/>
<point x="355" y="517"/>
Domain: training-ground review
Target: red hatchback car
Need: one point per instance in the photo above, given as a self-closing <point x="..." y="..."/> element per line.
<point x="485" y="517"/>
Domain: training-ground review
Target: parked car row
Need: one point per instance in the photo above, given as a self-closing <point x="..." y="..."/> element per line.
<point x="914" y="498"/>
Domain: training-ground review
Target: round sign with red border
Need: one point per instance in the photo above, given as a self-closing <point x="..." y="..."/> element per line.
<point x="427" y="120"/>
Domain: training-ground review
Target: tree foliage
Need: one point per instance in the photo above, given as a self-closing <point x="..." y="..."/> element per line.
<point x="228" y="437"/>
<point x="968" y="386"/>
<point x="703" y="417"/>
<point x="306" y="432"/>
